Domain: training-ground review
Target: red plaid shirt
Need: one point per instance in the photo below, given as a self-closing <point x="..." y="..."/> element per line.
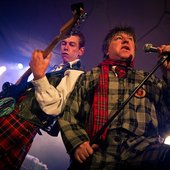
<point x="16" y="137"/>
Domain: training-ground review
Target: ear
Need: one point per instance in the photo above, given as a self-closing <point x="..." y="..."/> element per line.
<point x="81" y="51"/>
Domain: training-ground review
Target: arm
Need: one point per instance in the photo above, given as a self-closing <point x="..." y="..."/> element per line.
<point x="52" y="100"/>
<point x="166" y="71"/>
<point x="71" y="123"/>
<point x="166" y="65"/>
<point x="164" y="95"/>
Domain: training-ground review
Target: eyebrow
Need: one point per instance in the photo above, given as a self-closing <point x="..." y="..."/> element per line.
<point x="69" y="41"/>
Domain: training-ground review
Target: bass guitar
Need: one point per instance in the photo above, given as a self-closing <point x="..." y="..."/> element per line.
<point x="12" y="92"/>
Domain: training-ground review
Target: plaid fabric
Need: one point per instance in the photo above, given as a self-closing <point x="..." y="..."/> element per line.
<point x="143" y="116"/>
<point x="99" y="114"/>
<point x="120" y="71"/>
<point x="16" y="137"/>
<point x="155" y="157"/>
<point x="111" y="154"/>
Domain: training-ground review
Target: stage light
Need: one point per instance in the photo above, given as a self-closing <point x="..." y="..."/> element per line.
<point x="20" y="66"/>
<point x="167" y="140"/>
<point x="2" y="69"/>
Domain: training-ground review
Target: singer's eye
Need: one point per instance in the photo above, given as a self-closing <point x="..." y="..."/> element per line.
<point x="63" y="43"/>
<point x="72" y="44"/>
<point x="131" y="38"/>
<point x="117" y="38"/>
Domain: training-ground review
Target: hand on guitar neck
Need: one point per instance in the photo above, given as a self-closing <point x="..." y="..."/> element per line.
<point x="16" y="90"/>
<point x="39" y="64"/>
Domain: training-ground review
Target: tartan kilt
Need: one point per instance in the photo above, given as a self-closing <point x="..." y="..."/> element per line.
<point x="16" y="137"/>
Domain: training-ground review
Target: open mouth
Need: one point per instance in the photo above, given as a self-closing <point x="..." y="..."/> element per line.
<point x="126" y="48"/>
<point x="64" y="54"/>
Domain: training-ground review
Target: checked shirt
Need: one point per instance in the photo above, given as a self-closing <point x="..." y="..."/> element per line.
<point x="143" y="119"/>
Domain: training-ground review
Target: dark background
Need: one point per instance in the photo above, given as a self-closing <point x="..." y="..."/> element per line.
<point x="29" y="24"/>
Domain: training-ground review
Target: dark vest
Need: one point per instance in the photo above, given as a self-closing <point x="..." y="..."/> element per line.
<point x="29" y="108"/>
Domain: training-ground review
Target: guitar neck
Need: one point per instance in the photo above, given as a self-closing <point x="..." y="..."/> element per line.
<point x="24" y="77"/>
<point x="49" y="48"/>
<point x="67" y="29"/>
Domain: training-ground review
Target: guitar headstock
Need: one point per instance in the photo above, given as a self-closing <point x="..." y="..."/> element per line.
<point x="73" y="25"/>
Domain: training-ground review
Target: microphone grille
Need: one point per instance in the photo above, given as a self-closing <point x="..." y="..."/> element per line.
<point x="147" y="47"/>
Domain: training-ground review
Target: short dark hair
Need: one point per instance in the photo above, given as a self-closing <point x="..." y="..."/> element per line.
<point x="107" y="40"/>
<point x="81" y="37"/>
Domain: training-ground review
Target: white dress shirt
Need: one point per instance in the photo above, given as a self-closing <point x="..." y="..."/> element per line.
<point x="53" y="99"/>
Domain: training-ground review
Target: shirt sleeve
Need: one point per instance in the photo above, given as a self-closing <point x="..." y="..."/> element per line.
<point x="52" y="99"/>
<point x="71" y="127"/>
<point x="164" y="105"/>
<point x="167" y="89"/>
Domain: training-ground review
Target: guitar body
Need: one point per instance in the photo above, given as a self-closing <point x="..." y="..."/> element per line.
<point x="14" y="90"/>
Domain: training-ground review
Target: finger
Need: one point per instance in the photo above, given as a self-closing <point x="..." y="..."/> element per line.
<point x="81" y="153"/>
<point x="89" y="150"/>
<point x="37" y="53"/>
<point x="49" y="55"/>
<point x="86" y="152"/>
<point x="95" y="146"/>
<point x="82" y="157"/>
<point x="48" y="58"/>
<point x="79" y="159"/>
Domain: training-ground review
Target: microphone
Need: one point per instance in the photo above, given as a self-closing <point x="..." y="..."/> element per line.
<point x="150" y="48"/>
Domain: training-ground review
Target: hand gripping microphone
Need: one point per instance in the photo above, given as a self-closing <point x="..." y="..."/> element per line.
<point x="150" y="48"/>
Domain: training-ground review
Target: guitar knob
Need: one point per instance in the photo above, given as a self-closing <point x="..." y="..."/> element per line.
<point x="6" y="85"/>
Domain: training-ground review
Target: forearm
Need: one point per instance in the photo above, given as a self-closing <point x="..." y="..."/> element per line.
<point x="166" y="77"/>
<point x="72" y="121"/>
<point x="48" y="98"/>
<point x="52" y="99"/>
<point x="73" y="135"/>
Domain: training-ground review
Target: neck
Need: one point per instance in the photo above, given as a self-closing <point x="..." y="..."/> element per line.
<point x="125" y="63"/>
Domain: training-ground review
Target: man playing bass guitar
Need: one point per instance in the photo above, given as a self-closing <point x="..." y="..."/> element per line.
<point x="47" y="95"/>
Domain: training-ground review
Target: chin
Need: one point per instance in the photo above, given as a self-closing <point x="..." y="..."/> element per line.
<point x="127" y="57"/>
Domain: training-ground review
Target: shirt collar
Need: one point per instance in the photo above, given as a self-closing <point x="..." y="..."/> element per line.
<point x="61" y="66"/>
<point x="73" y="62"/>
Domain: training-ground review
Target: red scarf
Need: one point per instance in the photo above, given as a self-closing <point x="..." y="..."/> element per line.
<point x="99" y="113"/>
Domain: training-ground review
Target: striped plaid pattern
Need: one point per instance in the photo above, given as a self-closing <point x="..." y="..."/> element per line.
<point x="113" y="151"/>
<point x="99" y="113"/>
<point x="139" y="117"/>
<point x="155" y="157"/>
<point x="16" y="137"/>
